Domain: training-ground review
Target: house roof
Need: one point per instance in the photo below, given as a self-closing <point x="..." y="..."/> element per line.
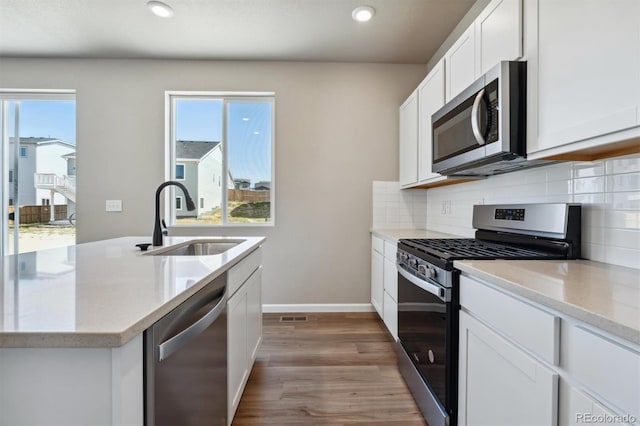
<point x="42" y="141"/>
<point x="193" y="150"/>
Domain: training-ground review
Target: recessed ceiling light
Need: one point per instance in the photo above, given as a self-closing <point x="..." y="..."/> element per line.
<point x="245" y="118"/>
<point x="256" y="133"/>
<point x="160" y="9"/>
<point x="363" y="13"/>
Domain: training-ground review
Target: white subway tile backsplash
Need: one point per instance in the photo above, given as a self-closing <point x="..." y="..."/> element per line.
<point x="623" y="182"/>
<point x="589" y="185"/>
<point x="622" y="165"/>
<point x="609" y="191"/>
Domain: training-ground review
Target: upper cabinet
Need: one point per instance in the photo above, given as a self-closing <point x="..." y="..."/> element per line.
<point x="498" y="32"/>
<point x="460" y="62"/>
<point x="430" y="99"/>
<point x="583" y="78"/>
<point x="494" y="36"/>
<point x="409" y="140"/>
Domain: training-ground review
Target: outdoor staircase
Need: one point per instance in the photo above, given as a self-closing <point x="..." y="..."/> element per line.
<point x="64" y="185"/>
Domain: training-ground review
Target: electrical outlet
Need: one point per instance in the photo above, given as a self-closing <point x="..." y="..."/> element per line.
<point x="446" y="207"/>
<point x="113" y="205"/>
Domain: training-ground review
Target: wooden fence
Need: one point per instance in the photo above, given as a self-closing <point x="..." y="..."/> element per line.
<point x="38" y="214"/>
<point x="249" y="196"/>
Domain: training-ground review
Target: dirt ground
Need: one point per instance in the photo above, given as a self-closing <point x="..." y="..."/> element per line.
<point x="43" y="236"/>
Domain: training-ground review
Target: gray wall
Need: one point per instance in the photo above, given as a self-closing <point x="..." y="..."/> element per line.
<point x="336" y="131"/>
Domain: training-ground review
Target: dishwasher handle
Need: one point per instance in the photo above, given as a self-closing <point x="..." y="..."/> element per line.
<point x="168" y="347"/>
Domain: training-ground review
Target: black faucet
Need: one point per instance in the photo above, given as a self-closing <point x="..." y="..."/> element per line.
<point x="157" y="230"/>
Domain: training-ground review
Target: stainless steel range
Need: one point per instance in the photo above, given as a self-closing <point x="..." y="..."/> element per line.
<point x="428" y="298"/>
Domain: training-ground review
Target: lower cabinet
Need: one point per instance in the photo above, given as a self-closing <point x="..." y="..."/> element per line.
<point x="509" y="373"/>
<point x="244" y="322"/>
<point x="384" y="282"/>
<point x="499" y="383"/>
<point x="377" y="277"/>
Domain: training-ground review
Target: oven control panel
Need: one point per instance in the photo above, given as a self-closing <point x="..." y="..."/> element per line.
<point x="509" y="214"/>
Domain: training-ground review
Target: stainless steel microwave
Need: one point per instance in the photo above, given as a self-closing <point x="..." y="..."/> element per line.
<point x="482" y="131"/>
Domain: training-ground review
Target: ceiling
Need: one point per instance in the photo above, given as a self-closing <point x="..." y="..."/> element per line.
<point x="403" y="31"/>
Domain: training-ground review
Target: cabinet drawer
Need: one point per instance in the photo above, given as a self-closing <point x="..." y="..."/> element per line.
<point x="534" y="329"/>
<point x="605" y="368"/>
<point x="240" y="272"/>
<point x="390" y="250"/>
<point x="377" y="244"/>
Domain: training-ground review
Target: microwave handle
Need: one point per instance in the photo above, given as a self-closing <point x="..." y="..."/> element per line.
<point x="475" y="117"/>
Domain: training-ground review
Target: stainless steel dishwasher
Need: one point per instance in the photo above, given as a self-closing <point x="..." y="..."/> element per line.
<point x="186" y="361"/>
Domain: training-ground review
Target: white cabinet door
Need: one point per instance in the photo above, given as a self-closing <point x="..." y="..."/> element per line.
<point x="391" y="315"/>
<point x="582" y="409"/>
<point x="585" y="71"/>
<point x="237" y="360"/>
<point x="430" y="99"/>
<point x="498" y="34"/>
<point x="499" y="383"/>
<point x="409" y="140"/>
<point x="460" y="63"/>
<point x="377" y="277"/>
<point x="254" y="315"/>
<point x="390" y="281"/>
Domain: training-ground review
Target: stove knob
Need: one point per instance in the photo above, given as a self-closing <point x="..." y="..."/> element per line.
<point x="431" y="272"/>
<point x="413" y="263"/>
<point x="422" y="269"/>
<point x="402" y="257"/>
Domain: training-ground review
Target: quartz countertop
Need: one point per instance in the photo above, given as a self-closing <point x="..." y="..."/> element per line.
<point x="602" y="295"/>
<point x="100" y="294"/>
<point x="398" y="234"/>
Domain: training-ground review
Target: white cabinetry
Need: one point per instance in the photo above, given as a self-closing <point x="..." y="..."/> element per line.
<point x="377" y="274"/>
<point x="430" y="99"/>
<point x="384" y="282"/>
<point x="244" y="323"/>
<point x="460" y="62"/>
<point x="494" y="36"/>
<point x="499" y="383"/>
<point x="390" y="285"/>
<point x="498" y="34"/>
<point x="509" y="359"/>
<point x="409" y="140"/>
<point x="583" y="77"/>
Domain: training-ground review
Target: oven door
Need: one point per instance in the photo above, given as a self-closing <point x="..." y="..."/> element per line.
<point x="428" y="334"/>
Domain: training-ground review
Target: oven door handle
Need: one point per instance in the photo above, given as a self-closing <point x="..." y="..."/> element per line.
<point x="440" y="292"/>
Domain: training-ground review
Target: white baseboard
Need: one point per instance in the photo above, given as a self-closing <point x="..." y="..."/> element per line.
<point x="317" y="307"/>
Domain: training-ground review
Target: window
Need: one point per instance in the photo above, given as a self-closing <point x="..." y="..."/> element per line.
<point x="10" y="176"/>
<point x="45" y="201"/>
<point x="178" y="203"/>
<point x="23" y="151"/>
<point x="179" y="171"/>
<point x="227" y="136"/>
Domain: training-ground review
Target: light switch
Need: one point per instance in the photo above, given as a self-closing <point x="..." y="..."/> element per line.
<point x="113" y="205"/>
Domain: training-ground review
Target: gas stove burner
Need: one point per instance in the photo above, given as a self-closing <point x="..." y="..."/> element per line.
<point x="469" y="248"/>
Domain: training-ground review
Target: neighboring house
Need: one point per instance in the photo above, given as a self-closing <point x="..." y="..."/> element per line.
<point x="199" y="168"/>
<point x="264" y="185"/>
<point x="42" y="156"/>
<point x="241" y="183"/>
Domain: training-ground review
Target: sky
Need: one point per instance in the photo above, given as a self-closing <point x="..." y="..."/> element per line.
<point x="249" y="129"/>
<point x="249" y="133"/>
<point x="55" y="119"/>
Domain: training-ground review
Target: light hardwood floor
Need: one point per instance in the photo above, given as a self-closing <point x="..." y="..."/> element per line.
<point x="335" y="368"/>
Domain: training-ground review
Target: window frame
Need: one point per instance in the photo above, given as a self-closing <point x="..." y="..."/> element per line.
<point x="170" y="151"/>
<point x="25" y="150"/>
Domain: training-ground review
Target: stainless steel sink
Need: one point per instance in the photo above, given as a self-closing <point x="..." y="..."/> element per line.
<point x="197" y="248"/>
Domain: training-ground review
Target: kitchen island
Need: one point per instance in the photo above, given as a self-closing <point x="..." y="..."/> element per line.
<point x="71" y="346"/>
